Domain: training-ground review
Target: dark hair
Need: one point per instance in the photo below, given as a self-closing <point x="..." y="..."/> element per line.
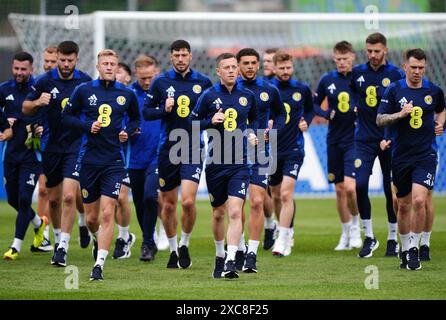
<point x="23" y="56"/>
<point x="247" y="52"/>
<point x="417" y="53"/>
<point x="68" y="47"/>
<point x="125" y="67"/>
<point x="224" y="56"/>
<point x="375" y="38"/>
<point x="343" y="47"/>
<point x="271" y="50"/>
<point x="177" y="45"/>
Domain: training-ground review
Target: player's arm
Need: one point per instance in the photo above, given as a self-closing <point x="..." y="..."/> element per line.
<point x="387" y="114"/>
<point x="5" y="128"/>
<point x="278" y="112"/>
<point x="70" y="114"/>
<point x="200" y="113"/>
<point x="319" y="97"/>
<point x="153" y="107"/>
<point x="35" y="99"/>
<point x="308" y="107"/>
<point x="440" y="114"/>
<point x="134" y="117"/>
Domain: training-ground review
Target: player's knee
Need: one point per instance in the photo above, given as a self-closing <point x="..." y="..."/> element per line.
<point x="69" y="198"/>
<point x="92" y="221"/>
<point x="404" y="208"/>
<point x="24" y="201"/>
<point x="286" y="197"/>
<point x="188" y="205"/>
<point x="218" y="215"/>
<point x="235" y="214"/>
<point x="169" y="207"/>
<point x="13" y="203"/>
<point x="256" y="204"/>
<point x="54" y="203"/>
<point x="419" y="202"/>
<point x="43" y="192"/>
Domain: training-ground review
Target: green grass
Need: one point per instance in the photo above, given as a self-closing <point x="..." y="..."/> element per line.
<point x="313" y="271"/>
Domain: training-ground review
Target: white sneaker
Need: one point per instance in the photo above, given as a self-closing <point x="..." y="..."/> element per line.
<point x="289" y="243"/>
<point x="163" y="242"/>
<point x="344" y="243"/>
<point x="279" y="248"/>
<point x="355" y="237"/>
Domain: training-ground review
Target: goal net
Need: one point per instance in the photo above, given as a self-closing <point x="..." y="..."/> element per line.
<point x="309" y="37"/>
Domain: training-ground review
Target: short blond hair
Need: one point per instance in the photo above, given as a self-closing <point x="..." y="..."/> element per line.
<point x="51" y="49"/>
<point x="106" y="53"/>
<point x="144" y="61"/>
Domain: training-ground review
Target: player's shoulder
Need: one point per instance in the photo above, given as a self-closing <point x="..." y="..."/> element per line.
<point x="300" y="85"/>
<point x="159" y="79"/>
<point x="200" y="76"/>
<point x="395" y="69"/>
<point x="82" y="75"/>
<point x="432" y="86"/>
<point x="44" y="77"/>
<point x="124" y="89"/>
<point x="360" y="68"/>
<point x="6" y="85"/>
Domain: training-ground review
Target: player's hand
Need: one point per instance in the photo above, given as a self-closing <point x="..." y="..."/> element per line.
<point x="6" y="135"/>
<point x="169" y="104"/>
<point x="303" y="125"/>
<point x="385" y="144"/>
<point x="266" y="134"/>
<point x="95" y="127"/>
<point x="406" y="110"/>
<point x="439" y="129"/>
<point x="44" y="99"/>
<point x="38" y="131"/>
<point x="123" y="136"/>
<point x="355" y="110"/>
<point x="252" y="139"/>
<point x="332" y="114"/>
<point x="11" y="121"/>
<point x="219" y="117"/>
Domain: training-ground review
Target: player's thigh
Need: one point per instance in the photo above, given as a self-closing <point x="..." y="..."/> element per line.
<point x="28" y="177"/>
<point x="189" y="190"/>
<point x="70" y="168"/>
<point x="364" y="160"/>
<point x="238" y="182"/>
<point x="11" y="178"/>
<point x="151" y="183"/>
<point x="111" y="181"/>
<point x="217" y="185"/>
<point x="385" y="160"/>
<point x="335" y="164"/>
<point x="424" y="173"/>
<point x="291" y="167"/>
<point x="90" y="180"/>
<point x="258" y="176"/>
<point x="52" y="164"/>
<point x="287" y="187"/>
<point x="169" y="174"/>
<point x="276" y="176"/>
<point x="191" y="172"/>
<point x="402" y="179"/>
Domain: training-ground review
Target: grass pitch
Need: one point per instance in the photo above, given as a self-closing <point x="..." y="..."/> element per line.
<point x="313" y="271"/>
